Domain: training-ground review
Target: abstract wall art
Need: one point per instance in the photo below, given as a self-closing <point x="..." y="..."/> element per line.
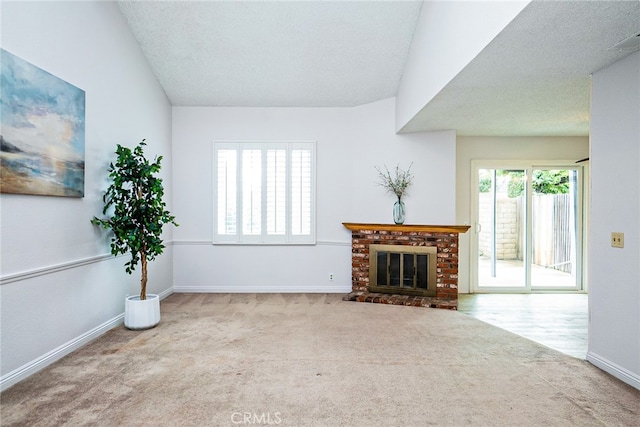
<point x="42" y="121"/>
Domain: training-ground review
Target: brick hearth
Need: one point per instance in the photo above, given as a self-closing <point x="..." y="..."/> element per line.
<point x="443" y="237"/>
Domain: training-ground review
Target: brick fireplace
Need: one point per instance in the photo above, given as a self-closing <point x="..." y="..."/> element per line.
<point x="443" y="237"/>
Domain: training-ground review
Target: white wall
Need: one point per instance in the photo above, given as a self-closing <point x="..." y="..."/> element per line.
<point x="502" y="148"/>
<point x="59" y="288"/>
<point x="614" y="328"/>
<point x="449" y="34"/>
<point x="350" y="143"/>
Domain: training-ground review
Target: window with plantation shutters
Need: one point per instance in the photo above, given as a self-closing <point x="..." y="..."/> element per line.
<point x="264" y="192"/>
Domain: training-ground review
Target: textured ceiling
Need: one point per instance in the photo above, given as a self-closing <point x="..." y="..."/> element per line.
<point x="275" y="53"/>
<point x="533" y="79"/>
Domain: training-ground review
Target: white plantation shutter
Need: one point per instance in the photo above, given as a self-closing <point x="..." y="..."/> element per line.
<point x="276" y="208"/>
<point x="251" y="192"/>
<point x="264" y="192"/>
<point x="300" y="192"/>
<point x="227" y="191"/>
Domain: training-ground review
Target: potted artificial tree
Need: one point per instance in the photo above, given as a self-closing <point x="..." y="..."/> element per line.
<point x="136" y="214"/>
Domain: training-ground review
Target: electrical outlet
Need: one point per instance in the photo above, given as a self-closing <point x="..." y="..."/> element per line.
<point x="331" y="277"/>
<point x="617" y="240"/>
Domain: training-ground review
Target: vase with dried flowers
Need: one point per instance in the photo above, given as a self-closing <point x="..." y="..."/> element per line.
<point x="396" y="184"/>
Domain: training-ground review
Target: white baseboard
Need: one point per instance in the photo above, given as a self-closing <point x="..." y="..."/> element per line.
<point x="56" y="354"/>
<point x="617" y="371"/>
<point x="165" y="293"/>
<point x="320" y="289"/>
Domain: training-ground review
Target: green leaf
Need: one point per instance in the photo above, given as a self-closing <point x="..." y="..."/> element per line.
<point x="135" y="195"/>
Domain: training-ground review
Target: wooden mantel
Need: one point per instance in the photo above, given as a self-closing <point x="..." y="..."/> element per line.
<point x="408" y="227"/>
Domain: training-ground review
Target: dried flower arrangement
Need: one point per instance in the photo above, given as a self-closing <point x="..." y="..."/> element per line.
<point x="398" y="183"/>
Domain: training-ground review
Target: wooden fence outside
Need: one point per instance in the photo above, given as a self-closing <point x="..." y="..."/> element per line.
<point x="553" y="230"/>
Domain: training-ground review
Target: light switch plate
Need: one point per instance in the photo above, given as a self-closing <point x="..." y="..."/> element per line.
<point x="617" y="240"/>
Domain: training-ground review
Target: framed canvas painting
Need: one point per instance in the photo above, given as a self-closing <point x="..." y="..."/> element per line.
<point x="41" y="131"/>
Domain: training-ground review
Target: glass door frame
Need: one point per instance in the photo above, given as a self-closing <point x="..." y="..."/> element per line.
<point x="581" y="220"/>
<point x="578" y="204"/>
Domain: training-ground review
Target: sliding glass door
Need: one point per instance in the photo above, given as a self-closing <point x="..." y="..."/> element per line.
<point x="500" y="229"/>
<point x="555" y="228"/>
<point x="528" y="228"/>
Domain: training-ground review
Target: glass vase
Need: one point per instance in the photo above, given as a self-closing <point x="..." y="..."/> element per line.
<point x="398" y="212"/>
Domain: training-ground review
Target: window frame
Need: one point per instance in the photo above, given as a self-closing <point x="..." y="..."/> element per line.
<point x="287" y="238"/>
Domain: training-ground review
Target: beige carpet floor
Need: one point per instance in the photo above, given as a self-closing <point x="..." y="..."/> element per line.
<point x="315" y="360"/>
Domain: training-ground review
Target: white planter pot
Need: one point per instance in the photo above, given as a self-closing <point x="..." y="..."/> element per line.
<point x="140" y="314"/>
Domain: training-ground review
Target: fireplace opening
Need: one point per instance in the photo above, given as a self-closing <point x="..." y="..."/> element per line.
<point x="398" y="269"/>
